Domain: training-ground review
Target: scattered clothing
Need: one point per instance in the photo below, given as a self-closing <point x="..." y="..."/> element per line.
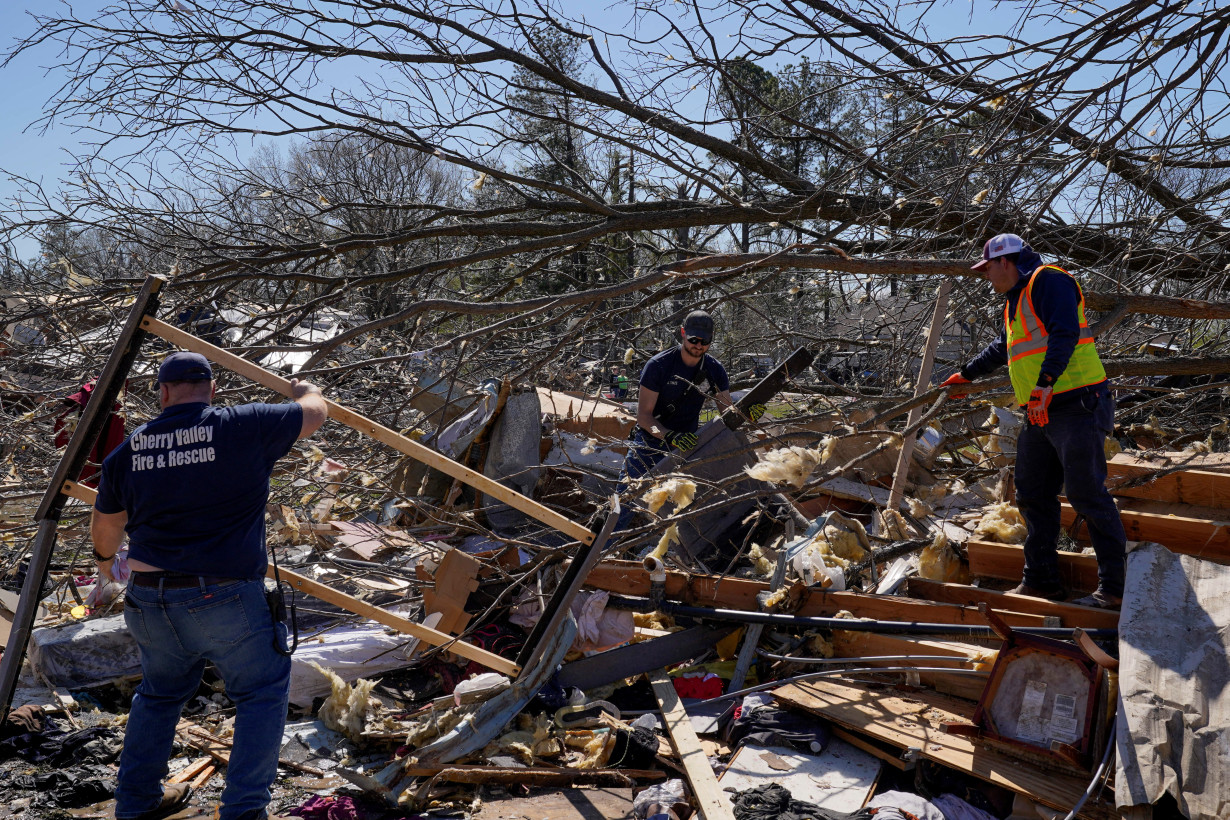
<point x="954" y="808"/>
<point x="774" y="802"/>
<point x="23" y="720"/>
<point x="909" y="805"/>
<point x="332" y="807"/>
<point x="68" y="788"/>
<point x="770" y="726"/>
<point x="54" y="747"/>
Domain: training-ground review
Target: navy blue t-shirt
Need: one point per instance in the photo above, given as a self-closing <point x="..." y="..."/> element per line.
<point x="195" y="481"/>
<point x="679" y="400"/>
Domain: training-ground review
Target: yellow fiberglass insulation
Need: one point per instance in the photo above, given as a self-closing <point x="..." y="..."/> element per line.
<point x="629" y="355"/>
<point x="1002" y="523"/>
<point x="775" y="598"/>
<point x="654" y="620"/>
<point x="597" y="752"/>
<point x="679" y="491"/>
<point x="819" y="646"/>
<point x="787" y="465"/>
<point x="919" y="509"/>
<point x="671" y="536"/>
<point x="892" y="525"/>
<point x="761" y="564"/>
<point x="836" y="547"/>
<point x="939" y="562"/>
<point x="435" y="724"/>
<point x="345" y="710"/>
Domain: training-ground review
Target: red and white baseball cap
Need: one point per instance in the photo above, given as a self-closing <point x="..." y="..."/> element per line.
<point x="1001" y="245"/>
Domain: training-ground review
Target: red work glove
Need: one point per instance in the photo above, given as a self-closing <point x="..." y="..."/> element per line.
<point x="953" y="381"/>
<point x="1039" y="400"/>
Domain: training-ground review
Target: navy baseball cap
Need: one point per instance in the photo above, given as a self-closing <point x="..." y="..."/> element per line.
<point x="699" y="323"/>
<point x="184" y="366"/>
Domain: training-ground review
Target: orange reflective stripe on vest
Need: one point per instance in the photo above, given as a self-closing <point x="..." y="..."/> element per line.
<point x="1027" y="343"/>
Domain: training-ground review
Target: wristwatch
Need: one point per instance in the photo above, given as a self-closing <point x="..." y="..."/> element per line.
<point x="100" y="558"/>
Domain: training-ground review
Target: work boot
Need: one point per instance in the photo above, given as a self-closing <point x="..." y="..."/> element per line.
<point x="1100" y="600"/>
<point x="174" y="797"/>
<point x="1056" y="593"/>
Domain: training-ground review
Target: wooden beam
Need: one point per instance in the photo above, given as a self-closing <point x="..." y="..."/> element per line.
<point x="423" y="633"/>
<point x="631" y="578"/>
<point x="375" y="431"/>
<point x="1203" y="488"/>
<point x="79" y="491"/>
<point x="920" y="386"/>
<point x="915" y="720"/>
<point x="1078" y="572"/>
<point x="1074" y="616"/>
<point x="705" y="788"/>
<point x="1182" y="529"/>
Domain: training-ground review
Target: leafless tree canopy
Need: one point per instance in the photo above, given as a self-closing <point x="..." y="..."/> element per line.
<point x="515" y="188"/>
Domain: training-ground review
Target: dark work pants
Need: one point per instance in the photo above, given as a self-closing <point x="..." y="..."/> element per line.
<point x="1068" y="455"/>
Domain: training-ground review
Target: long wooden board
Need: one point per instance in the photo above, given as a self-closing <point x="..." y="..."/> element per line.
<point x="631" y="578"/>
<point x="1203" y="488"/>
<point x="1083" y="616"/>
<point x="709" y="795"/>
<point x="374" y="430"/>
<point x="424" y="633"/>
<point x="1186" y="530"/>
<point x="914" y="722"/>
<point x="1007" y="561"/>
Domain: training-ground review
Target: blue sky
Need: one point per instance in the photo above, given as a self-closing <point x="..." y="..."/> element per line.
<point x="27" y="87"/>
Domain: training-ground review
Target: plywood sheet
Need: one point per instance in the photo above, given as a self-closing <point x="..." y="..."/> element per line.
<point x="841" y="778"/>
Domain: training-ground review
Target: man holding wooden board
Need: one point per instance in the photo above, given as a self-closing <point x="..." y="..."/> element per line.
<point x="190" y="488"/>
<point x="1061" y="386"/>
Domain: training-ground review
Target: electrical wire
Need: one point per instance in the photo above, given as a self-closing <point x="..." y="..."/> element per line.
<point x="894" y="658"/>
<point x="1095" y="785"/>
<point x="835" y="672"/>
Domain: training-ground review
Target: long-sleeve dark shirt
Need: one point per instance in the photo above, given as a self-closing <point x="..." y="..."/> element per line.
<point x="1055" y="299"/>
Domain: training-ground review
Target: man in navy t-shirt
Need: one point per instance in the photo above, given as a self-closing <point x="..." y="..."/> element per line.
<point x="673" y="387"/>
<point x="190" y="489"/>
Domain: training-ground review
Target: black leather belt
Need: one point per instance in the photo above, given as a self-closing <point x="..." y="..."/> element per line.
<point x="176" y="580"/>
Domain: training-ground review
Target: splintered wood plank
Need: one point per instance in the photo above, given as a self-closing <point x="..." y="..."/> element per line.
<point x="915" y="722"/>
<point x="374" y="430"/>
<point x="1200" y="531"/>
<point x="709" y="796"/>
<point x="1069" y="615"/>
<point x="1078" y="572"/>
<point x="631" y="578"/>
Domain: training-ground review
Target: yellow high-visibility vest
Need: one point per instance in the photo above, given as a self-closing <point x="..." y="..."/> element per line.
<point x="1027" y="339"/>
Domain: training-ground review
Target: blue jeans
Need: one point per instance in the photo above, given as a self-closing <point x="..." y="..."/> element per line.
<point x="644" y="453"/>
<point x="177" y="631"/>
<point x="1068" y="454"/>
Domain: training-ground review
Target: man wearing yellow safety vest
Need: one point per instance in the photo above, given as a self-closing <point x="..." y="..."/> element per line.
<point x="1059" y="382"/>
